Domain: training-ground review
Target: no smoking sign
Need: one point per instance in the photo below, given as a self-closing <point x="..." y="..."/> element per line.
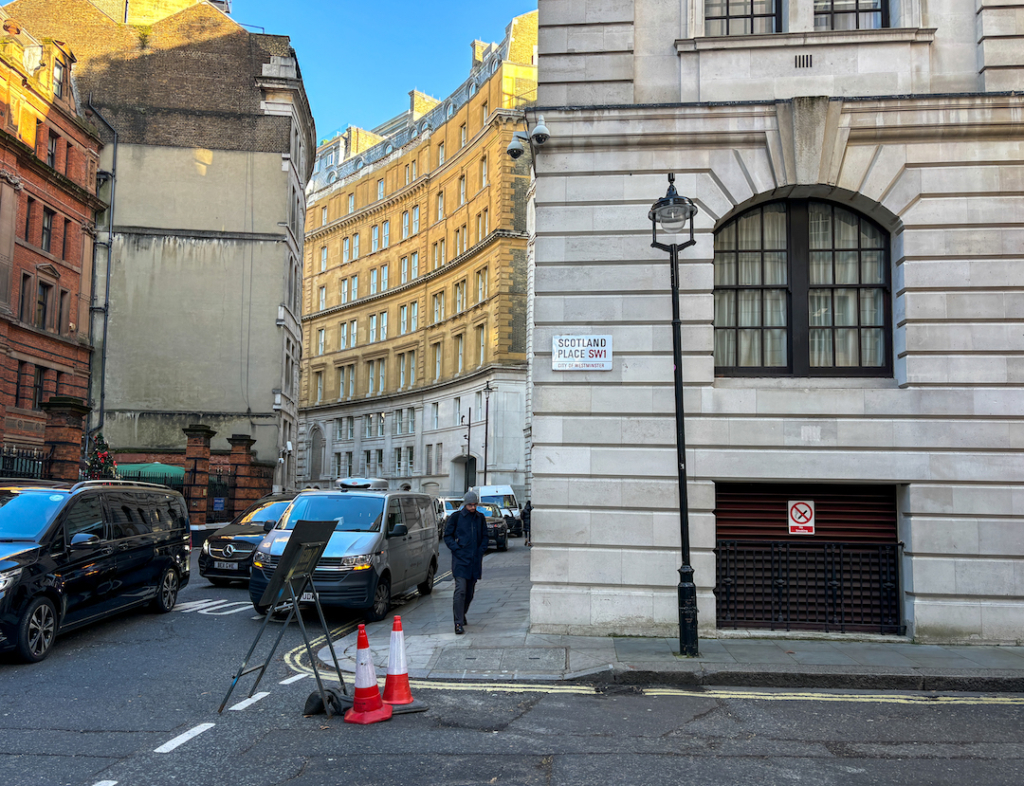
<point x="801" y="517"/>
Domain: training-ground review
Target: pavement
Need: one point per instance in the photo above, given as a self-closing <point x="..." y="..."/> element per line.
<point x="498" y="646"/>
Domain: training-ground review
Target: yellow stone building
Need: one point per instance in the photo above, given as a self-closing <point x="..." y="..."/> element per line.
<point x="414" y="285"/>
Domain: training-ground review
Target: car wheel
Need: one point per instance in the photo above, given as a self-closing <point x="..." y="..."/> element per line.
<point x="428" y="586"/>
<point x="381" y="600"/>
<point x="503" y="543"/>
<point x="37" y="630"/>
<point x="261" y="610"/>
<point x="219" y="582"/>
<point x="166" y="592"/>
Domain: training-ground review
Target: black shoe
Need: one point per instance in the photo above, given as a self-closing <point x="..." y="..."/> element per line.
<point x="459" y="630"/>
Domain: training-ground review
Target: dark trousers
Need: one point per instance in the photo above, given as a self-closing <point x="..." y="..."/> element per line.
<point x="464" y="589"/>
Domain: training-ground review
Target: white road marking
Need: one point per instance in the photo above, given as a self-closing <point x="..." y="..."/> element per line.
<point x="106" y="783"/>
<point x="230" y="608"/>
<point x="196" y="605"/>
<point x="181" y="739"/>
<point x="249" y="702"/>
<point x="290" y="680"/>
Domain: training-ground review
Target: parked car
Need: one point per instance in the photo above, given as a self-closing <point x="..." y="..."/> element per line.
<point x="226" y="555"/>
<point x="497" y="526"/>
<point x="505" y="499"/>
<point x="74" y="554"/>
<point x="384" y="543"/>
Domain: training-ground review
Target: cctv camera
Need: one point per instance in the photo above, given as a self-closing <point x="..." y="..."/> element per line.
<point x="514" y="149"/>
<point x="540" y="132"/>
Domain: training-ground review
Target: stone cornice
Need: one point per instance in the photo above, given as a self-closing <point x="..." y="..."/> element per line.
<point x="883" y="35"/>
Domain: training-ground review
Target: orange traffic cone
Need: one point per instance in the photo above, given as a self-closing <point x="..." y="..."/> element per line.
<point x="396" y="687"/>
<point x="367" y="707"/>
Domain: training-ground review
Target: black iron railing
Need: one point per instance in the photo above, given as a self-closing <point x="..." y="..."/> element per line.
<point x="835" y="587"/>
<point x="21" y="463"/>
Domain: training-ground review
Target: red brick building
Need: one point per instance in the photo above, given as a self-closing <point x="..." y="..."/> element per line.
<point x="49" y="156"/>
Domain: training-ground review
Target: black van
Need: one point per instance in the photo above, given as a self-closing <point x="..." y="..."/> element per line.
<point x="74" y="554"/>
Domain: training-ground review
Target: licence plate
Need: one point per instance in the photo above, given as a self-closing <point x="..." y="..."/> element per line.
<point x="306" y="597"/>
<point x="226" y="565"/>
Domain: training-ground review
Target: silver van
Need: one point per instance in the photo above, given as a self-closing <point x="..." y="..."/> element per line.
<point x="385" y="543"/>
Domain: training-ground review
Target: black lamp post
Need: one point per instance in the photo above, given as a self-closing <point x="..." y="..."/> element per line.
<point x="487" y="423"/>
<point x="673" y="213"/>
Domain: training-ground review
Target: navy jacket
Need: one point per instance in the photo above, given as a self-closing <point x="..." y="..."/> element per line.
<point x="465" y="534"/>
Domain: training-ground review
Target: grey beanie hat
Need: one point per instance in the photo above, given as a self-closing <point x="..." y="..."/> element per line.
<point x="470" y="498"/>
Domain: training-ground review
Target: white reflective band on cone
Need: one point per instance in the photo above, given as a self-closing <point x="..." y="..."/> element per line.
<point x="396" y="658"/>
<point x="366" y="677"/>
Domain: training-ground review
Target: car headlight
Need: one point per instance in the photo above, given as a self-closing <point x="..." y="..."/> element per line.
<point x="362" y="562"/>
<point x="206" y="547"/>
<point x="261" y="559"/>
<point x="8" y="577"/>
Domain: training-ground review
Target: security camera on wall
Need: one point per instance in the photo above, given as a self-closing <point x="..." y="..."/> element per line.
<point x="515" y="148"/>
<point x="540" y="132"/>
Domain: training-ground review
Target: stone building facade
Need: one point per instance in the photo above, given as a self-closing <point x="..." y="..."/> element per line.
<point x="209" y="146"/>
<point x="48" y="160"/>
<point x="414" y="334"/>
<point x="851" y="317"/>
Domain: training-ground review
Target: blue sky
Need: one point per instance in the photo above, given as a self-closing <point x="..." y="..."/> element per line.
<point x="359" y="60"/>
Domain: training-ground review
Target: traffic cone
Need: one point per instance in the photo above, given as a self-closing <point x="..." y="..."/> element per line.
<point x="396" y="687"/>
<point x="367" y="707"/>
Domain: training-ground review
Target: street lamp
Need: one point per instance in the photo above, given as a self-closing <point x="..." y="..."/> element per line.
<point x="487" y="423"/>
<point x="673" y="213"/>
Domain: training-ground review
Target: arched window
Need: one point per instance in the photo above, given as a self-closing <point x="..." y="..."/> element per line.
<point x="802" y="288"/>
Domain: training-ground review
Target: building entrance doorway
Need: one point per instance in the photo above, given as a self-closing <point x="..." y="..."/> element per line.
<point x="463" y="473"/>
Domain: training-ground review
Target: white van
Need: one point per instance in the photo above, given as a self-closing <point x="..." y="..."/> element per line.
<point x="505" y="498"/>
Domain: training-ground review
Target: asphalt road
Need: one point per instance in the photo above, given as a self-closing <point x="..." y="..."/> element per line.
<point x="108" y="697"/>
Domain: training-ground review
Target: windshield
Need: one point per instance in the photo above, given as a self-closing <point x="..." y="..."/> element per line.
<point x="270" y="511"/>
<point x="25" y="514"/>
<point x="489" y="510"/>
<point x="353" y="513"/>
<point x="501" y="500"/>
<point x="449" y="505"/>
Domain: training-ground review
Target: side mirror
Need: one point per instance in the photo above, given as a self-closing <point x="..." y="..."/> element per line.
<point x="398" y="531"/>
<point x="84" y="541"/>
<point x="269" y="525"/>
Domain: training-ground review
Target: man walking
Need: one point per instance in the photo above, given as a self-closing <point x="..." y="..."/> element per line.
<point x="466" y="536"/>
<point x="525" y="516"/>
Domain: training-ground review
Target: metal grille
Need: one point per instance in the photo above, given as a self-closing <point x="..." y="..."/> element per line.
<point x="834" y="587"/>
<point x="241" y="550"/>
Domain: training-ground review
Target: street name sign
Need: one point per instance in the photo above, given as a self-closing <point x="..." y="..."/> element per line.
<point x="581" y="353"/>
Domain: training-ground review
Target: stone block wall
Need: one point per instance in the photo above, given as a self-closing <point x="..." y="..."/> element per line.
<point x="946" y="428"/>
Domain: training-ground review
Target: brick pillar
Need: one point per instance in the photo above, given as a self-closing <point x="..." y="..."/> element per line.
<point x="197" y="471"/>
<point x="64" y="419"/>
<point x="247" y="488"/>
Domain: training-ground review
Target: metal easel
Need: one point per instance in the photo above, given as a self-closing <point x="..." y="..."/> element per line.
<point x="294" y="571"/>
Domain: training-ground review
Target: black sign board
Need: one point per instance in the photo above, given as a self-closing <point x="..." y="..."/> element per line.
<point x="305" y="547"/>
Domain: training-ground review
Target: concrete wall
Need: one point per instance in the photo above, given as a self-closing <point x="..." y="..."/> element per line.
<point x="595" y="52"/>
<point x="940" y="174"/>
<point x="198" y="282"/>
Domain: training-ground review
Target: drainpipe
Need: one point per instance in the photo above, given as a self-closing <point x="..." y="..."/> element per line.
<point x="105" y="308"/>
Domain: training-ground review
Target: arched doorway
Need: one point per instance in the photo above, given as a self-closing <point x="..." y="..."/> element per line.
<point x="316" y="455"/>
<point x="463" y="473"/>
